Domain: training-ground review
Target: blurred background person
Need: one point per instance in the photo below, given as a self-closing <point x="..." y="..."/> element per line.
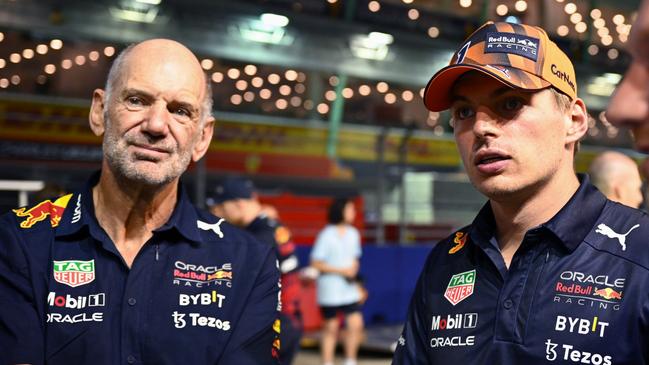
<point x="236" y="200"/>
<point x="336" y="255"/>
<point x="616" y="176"/>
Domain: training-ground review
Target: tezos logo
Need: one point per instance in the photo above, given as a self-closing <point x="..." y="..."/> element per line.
<point x="569" y="353"/>
<point x="197" y="320"/>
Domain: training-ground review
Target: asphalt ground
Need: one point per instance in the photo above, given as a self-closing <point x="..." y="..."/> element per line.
<point x="311" y="356"/>
<point x="376" y="348"/>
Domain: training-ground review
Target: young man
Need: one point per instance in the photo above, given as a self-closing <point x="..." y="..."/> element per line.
<point x="549" y="270"/>
<point x="629" y="106"/>
<point x="128" y="271"/>
<point x="617" y="176"/>
<point x="235" y="199"/>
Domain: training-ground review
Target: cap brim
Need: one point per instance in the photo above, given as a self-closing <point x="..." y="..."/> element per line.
<point x="437" y="95"/>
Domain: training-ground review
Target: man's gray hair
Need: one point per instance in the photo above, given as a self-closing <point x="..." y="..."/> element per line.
<point x="116" y="70"/>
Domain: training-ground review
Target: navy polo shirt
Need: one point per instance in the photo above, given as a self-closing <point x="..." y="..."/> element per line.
<point x="575" y="292"/>
<point x="199" y="292"/>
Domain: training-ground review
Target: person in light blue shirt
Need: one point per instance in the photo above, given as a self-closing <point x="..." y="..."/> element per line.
<point x="336" y="255"/>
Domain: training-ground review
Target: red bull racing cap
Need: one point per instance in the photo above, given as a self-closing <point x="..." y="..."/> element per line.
<point x="518" y="55"/>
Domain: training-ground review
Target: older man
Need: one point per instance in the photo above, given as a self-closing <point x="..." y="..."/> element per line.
<point x="550" y="271"/>
<point x="127" y="270"/>
<point x="616" y="175"/>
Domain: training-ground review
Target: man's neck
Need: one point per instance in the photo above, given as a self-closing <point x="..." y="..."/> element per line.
<point x="515" y="215"/>
<point x="129" y="212"/>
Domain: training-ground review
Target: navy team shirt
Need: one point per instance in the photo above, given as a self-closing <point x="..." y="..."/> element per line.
<point x="199" y="292"/>
<point x="576" y="292"/>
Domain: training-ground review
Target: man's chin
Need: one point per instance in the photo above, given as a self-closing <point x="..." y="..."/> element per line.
<point x="148" y="174"/>
<point x="495" y="187"/>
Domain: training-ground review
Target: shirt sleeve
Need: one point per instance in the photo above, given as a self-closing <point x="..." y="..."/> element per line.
<point x="411" y="348"/>
<point x="256" y="338"/>
<point x="357" y="243"/>
<point x="319" y="251"/>
<point x="21" y="331"/>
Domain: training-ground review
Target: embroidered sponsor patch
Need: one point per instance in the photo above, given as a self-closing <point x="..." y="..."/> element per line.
<point x="512" y="43"/>
<point x="460" y="241"/>
<point x="74" y="272"/>
<point x="460" y="287"/>
<point x="42" y="210"/>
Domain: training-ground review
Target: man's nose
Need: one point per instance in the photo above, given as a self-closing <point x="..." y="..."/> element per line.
<point x="629" y="105"/>
<point x="157" y="119"/>
<point x="486" y="123"/>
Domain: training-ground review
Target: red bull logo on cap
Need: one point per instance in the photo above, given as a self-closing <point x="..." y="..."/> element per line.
<point x="608" y="293"/>
<point x="42" y="210"/>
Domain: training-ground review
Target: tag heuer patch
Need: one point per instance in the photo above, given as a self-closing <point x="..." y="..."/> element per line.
<point x="460" y="287"/>
<point x="74" y="272"/>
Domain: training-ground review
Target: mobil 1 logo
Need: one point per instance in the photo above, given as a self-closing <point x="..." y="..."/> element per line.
<point x="454" y="322"/>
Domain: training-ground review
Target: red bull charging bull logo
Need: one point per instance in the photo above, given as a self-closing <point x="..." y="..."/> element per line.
<point x="608" y="293"/>
<point x="460" y="241"/>
<point x="42" y="210"/>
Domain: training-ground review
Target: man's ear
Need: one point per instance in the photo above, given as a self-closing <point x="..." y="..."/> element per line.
<point x="96" y="117"/>
<point x="577" y="120"/>
<point x="204" y="139"/>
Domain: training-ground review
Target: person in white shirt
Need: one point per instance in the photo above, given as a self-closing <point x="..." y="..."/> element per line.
<point x="336" y="255"/>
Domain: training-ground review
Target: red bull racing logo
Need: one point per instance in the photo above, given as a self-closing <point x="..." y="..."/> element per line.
<point x="202" y="275"/>
<point x="583" y="289"/>
<point x="42" y="210"/>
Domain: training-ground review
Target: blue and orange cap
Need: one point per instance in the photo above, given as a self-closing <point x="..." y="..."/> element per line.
<point x="518" y="55"/>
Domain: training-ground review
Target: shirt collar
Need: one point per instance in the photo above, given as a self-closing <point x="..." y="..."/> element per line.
<point x="80" y="213"/>
<point x="570" y="225"/>
<point x="576" y="219"/>
<point x="184" y="218"/>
